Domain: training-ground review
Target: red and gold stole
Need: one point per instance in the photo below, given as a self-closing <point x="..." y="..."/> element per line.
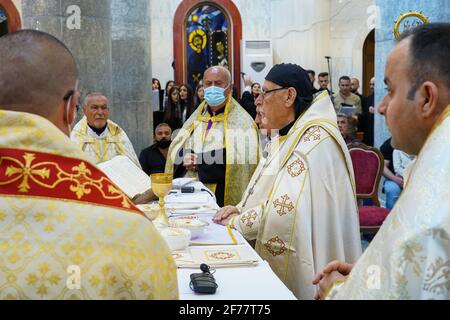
<point x="35" y="174"/>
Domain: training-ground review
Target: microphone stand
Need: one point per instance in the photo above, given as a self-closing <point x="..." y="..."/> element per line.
<point x="329" y="72"/>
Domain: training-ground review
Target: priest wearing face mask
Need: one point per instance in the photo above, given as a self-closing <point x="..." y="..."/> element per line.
<point x="219" y="143"/>
<point x="153" y="159"/>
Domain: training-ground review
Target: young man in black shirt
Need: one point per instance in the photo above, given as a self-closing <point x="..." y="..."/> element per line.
<point x="153" y="159"/>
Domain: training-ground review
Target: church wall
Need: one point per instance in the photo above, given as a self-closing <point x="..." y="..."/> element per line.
<point x="435" y="10"/>
<point x="350" y="23"/>
<point x="131" y="70"/>
<point x="303" y="32"/>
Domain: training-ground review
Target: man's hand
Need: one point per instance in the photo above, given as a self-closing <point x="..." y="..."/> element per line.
<point x="372" y="110"/>
<point x="190" y="162"/>
<point x="399" y="180"/>
<point x="336" y="270"/>
<point x="225" y="214"/>
<point x="248" y="81"/>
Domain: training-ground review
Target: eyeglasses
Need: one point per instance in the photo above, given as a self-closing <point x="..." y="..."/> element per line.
<point x="263" y="92"/>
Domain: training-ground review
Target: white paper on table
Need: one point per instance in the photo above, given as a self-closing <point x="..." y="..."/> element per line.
<point x="216" y="234"/>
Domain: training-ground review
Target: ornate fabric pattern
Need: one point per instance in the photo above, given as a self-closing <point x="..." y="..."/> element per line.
<point x="313" y="134"/>
<point x="52" y="248"/>
<point x="284" y="203"/>
<point x="45" y="175"/>
<point x="296" y="168"/>
<point x="276" y="246"/>
<point x="249" y="218"/>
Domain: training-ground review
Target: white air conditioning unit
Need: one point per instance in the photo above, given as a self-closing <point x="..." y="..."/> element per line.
<point x="256" y="59"/>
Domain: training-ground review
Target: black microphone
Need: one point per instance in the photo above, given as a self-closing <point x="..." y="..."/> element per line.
<point x="205" y="268"/>
<point x="327" y="57"/>
<point x="265" y="154"/>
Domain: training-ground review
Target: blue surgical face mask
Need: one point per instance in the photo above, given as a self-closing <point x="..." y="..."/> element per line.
<point x="214" y="96"/>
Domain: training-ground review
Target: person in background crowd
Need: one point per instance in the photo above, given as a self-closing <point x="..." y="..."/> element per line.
<point x="199" y="95"/>
<point x="251" y="92"/>
<point x="153" y="158"/>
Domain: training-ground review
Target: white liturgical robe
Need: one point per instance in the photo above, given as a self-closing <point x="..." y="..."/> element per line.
<point x="300" y="205"/>
<point x="409" y="257"/>
<point x="100" y="148"/>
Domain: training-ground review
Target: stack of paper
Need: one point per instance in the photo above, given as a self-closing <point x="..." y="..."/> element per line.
<point x="216" y="257"/>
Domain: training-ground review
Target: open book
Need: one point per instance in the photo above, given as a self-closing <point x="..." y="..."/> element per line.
<point x="129" y="178"/>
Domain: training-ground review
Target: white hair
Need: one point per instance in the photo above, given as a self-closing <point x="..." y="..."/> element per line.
<point x="92" y="95"/>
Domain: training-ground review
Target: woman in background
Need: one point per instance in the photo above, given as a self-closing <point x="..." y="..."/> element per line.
<point x="251" y="92"/>
<point x="172" y="114"/>
<point x="186" y="102"/>
<point x="169" y="85"/>
<point x="199" y="95"/>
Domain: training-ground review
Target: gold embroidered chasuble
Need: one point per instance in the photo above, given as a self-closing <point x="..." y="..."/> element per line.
<point x="410" y="256"/>
<point x="300" y="205"/>
<point x="233" y="130"/>
<point x="66" y="231"/>
<point x="111" y="143"/>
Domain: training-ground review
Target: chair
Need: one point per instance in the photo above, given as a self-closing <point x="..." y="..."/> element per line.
<point x="368" y="164"/>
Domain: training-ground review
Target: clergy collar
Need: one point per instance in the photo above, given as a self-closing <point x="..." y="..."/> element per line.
<point x="98" y="131"/>
<point x="283" y="132"/>
<point x="220" y="111"/>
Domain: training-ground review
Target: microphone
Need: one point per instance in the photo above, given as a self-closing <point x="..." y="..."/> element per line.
<point x="265" y="154"/>
<point x="327" y="57"/>
<point x="205" y="268"/>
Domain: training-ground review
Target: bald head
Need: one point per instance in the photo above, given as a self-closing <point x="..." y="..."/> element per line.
<point x="218" y="70"/>
<point x="36" y="73"/>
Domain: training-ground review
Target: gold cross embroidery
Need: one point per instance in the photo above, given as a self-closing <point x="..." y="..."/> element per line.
<point x="285" y="203"/>
<point x="312" y="134"/>
<point x="249" y="219"/>
<point x="26" y="171"/>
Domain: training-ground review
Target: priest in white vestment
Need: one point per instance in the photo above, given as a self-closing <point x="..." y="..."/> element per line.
<point x="409" y="257"/>
<point x="300" y="205"/>
<point x="98" y="137"/>
<point x="66" y="230"/>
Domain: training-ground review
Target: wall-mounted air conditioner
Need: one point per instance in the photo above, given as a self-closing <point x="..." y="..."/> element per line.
<point x="256" y="59"/>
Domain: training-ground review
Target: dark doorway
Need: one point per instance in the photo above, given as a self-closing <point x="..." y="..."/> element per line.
<point x="368" y="62"/>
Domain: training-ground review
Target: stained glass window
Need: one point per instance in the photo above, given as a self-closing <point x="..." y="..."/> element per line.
<point x="3" y="22"/>
<point x="207" y="37"/>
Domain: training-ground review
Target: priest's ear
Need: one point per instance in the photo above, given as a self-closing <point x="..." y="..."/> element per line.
<point x="427" y="96"/>
<point x="291" y="96"/>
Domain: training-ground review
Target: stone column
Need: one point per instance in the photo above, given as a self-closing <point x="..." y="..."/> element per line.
<point x="389" y="11"/>
<point x="132" y="77"/>
<point x="90" y="43"/>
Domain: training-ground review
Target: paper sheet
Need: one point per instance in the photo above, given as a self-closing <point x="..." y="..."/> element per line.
<point x="126" y="175"/>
